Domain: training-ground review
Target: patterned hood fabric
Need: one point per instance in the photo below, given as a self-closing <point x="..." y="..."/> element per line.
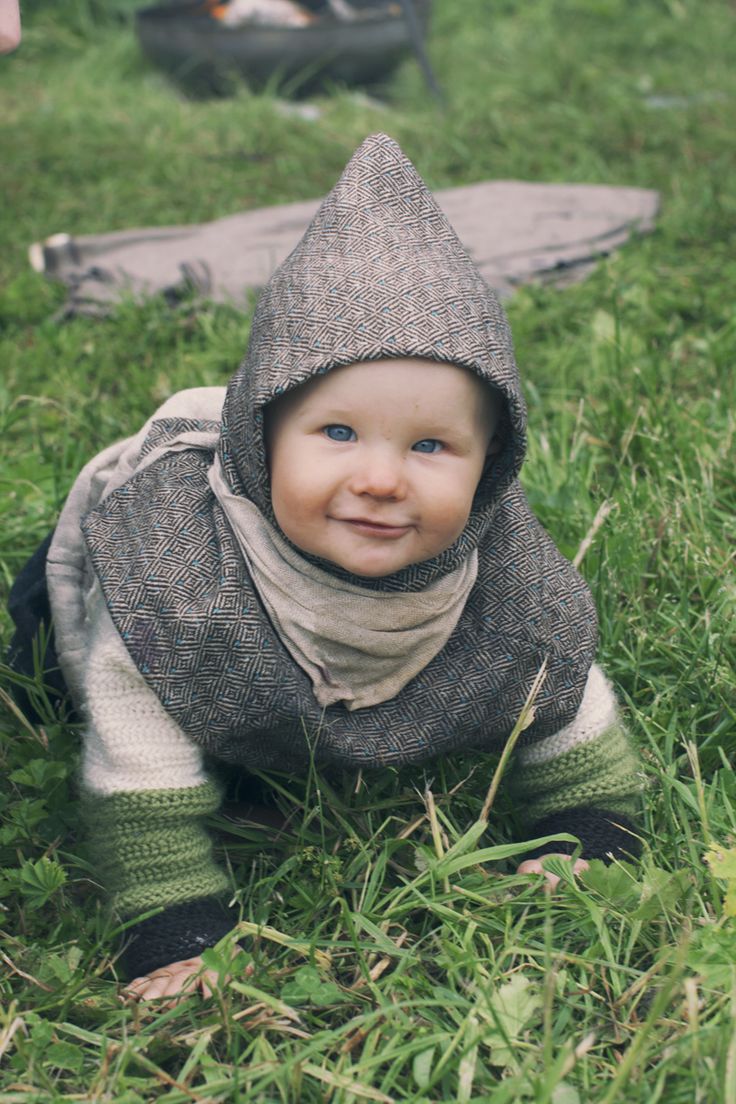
<point x="378" y="273"/>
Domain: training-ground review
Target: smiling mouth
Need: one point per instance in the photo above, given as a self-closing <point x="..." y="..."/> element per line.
<point x="376" y="528"/>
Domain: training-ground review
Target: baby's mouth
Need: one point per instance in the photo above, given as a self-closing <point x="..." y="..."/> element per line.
<point x="376" y="528"/>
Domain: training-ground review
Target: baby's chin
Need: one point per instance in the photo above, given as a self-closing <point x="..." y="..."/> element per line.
<point x="380" y="562"/>
<point x="366" y="570"/>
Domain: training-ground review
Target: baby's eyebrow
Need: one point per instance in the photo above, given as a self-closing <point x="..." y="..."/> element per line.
<point x="447" y="429"/>
<point x="337" y="416"/>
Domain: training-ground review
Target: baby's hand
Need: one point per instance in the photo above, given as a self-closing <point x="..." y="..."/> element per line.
<point x="176" y="981"/>
<point x="534" y="866"/>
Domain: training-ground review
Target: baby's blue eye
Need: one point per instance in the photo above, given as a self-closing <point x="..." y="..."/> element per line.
<point x="339" y="433"/>
<point x="429" y="444"/>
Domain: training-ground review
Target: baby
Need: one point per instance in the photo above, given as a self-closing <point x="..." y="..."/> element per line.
<point x="333" y="557"/>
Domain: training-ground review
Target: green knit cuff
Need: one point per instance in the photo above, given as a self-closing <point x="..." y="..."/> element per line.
<point x="151" y="847"/>
<point x="603" y="773"/>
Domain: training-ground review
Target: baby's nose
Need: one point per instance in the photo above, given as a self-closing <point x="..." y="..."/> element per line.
<point x="380" y="475"/>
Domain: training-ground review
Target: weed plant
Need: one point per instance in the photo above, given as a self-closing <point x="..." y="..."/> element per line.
<point x="387" y="955"/>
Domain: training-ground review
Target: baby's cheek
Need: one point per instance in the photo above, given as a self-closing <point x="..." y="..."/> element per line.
<point x="296" y="511"/>
<point x="449" y="512"/>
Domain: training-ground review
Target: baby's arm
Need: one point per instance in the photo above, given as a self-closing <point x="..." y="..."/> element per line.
<point x="145" y="796"/>
<point x="585" y="780"/>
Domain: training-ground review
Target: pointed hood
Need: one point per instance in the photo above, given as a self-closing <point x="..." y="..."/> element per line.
<point x="378" y="273"/>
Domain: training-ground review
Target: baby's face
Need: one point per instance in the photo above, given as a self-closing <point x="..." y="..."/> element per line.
<point x="374" y="466"/>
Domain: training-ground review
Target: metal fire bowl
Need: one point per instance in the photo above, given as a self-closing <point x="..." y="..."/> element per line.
<point x="202" y="55"/>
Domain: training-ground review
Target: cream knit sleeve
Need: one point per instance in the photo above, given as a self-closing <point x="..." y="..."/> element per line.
<point x="145" y="789"/>
<point x="131" y="743"/>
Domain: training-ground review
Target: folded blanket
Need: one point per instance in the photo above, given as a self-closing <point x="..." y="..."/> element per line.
<point x="516" y="233"/>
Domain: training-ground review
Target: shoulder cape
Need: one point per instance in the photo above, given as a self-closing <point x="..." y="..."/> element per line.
<point x="180" y="595"/>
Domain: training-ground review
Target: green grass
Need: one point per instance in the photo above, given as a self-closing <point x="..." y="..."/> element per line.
<point x="376" y="974"/>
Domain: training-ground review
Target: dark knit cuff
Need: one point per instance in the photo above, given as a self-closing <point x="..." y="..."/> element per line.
<point x="603" y="834"/>
<point x="179" y="932"/>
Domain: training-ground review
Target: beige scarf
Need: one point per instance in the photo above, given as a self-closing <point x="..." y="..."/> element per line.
<point x="358" y="647"/>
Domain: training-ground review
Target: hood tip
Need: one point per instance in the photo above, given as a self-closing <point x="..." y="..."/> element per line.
<point x="379" y="140"/>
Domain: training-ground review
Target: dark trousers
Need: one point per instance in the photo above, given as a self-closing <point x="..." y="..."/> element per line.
<point x="32" y="651"/>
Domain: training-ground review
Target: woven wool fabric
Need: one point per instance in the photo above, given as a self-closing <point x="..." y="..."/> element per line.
<point x="379" y="273"/>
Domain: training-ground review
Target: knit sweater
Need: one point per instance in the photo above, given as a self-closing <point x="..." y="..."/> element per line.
<point x="147" y="792"/>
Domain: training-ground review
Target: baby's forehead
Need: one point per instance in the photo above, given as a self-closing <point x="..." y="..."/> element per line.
<point x="417" y="376"/>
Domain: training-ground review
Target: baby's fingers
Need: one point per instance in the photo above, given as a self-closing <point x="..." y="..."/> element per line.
<point x="536" y="866"/>
<point x="207" y="982"/>
<point x="176" y="982"/>
<point x="178" y="988"/>
<point x="147" y="988"/>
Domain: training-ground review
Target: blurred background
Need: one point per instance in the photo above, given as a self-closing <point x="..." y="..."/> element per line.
<point x="630" y="382"/>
